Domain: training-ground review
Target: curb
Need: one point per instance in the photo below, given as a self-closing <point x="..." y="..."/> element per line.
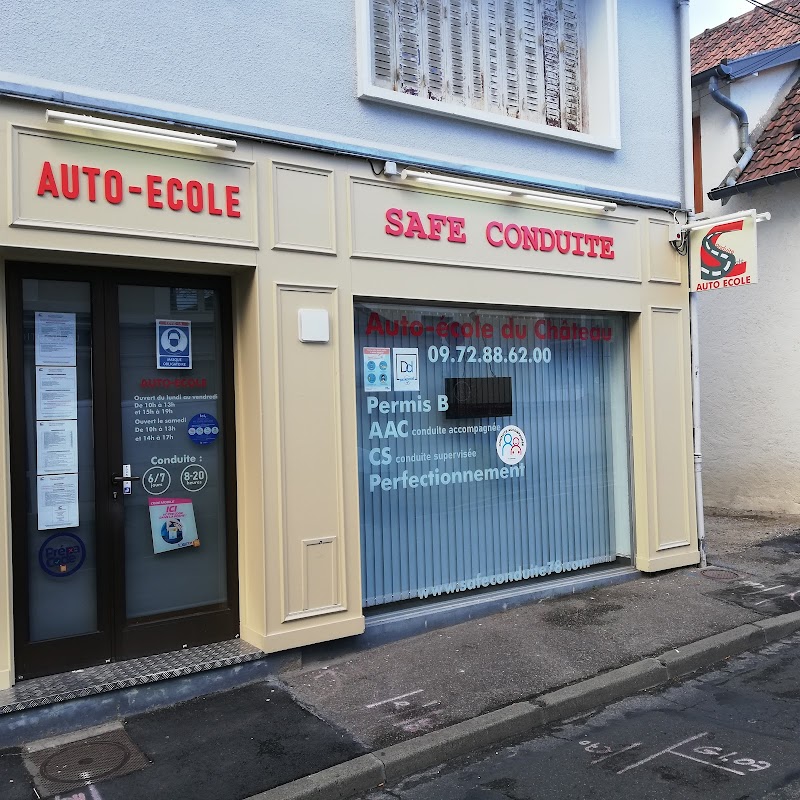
<point x="416" y="755"/>
<point x="602" y="689"/>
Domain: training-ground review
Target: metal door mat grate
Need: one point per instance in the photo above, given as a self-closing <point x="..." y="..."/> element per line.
<point x="125" y="674"/>
<point x="75" y="764"/>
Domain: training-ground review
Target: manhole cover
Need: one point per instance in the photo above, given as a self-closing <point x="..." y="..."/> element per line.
<point x="718" y="574"/>
<point x="75" y="764"/>
<point x="85" y="761"/>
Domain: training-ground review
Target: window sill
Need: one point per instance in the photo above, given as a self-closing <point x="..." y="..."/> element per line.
<point x="605" y="141"/>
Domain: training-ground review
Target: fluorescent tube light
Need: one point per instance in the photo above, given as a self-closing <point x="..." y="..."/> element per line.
<point x="497" y="189"/>
<point x="142" y="131"/>
<point x="453" y="185"/>
<point x="558" y="201"/>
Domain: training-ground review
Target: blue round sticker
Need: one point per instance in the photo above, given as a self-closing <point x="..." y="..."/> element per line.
<point x="62" y="554"/>
<point x="172" y="531"/>
<point x="203" y="429"/>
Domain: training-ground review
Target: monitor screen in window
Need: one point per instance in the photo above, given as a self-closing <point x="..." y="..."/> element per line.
<point x="474" y="398"/>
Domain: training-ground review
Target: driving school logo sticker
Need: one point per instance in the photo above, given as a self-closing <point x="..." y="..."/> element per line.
<point x="511" y="445"/>
<point x="723" y="253"/>
<point x="62" y="555"/>
<point x="717" y="260"/>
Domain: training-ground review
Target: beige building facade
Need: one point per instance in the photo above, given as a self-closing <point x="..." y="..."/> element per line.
<point x="298" y="273"/>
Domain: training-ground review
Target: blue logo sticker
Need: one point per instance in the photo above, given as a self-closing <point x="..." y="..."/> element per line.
<point x="172" y="531"/>
<point x="62" y="554"/>
<point x="203" y="429"/>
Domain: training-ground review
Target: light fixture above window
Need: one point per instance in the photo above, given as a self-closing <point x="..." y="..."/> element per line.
<point x="112" y="126"/>
<point x="502" y="190"/>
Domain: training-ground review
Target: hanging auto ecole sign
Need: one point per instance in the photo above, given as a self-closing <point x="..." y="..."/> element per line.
<point x="723" y="253"/>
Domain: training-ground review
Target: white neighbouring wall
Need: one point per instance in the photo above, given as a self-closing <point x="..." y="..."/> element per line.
<point x="750" y="370"/>
<point x="750" y="336"/>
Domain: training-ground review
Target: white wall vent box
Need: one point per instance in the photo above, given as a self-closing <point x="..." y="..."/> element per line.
<point x="314" y="325"/>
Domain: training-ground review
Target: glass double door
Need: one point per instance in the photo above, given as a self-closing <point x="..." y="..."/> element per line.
<point x="122" y="464"/>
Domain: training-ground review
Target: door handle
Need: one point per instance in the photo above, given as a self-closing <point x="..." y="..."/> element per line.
<point x="123" y="478"/>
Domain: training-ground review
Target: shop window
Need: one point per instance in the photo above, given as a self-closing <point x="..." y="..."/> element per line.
<point x="520" y="62"/>
<point x="493" y="447"/>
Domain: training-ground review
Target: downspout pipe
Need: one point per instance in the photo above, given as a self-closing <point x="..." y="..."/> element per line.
<point x="694" y="332"/>
<point x="745" y="151"/>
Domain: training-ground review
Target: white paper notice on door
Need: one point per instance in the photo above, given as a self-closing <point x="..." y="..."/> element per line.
<point x="55" y="339"/>
<point x="56" y="393"/>
<point x="57" y="497"/>
<point x="56" y="446"/>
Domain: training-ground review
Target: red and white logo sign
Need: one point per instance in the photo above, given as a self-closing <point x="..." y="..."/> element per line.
<point x="723" y="253"/>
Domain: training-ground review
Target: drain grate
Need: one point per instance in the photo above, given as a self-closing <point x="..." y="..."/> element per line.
<point x="74" y="764"/>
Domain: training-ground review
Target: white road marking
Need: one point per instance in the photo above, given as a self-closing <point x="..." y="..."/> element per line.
<point x="708" y="763"/>
<point x="768" y="600"/>
<point x="624" y="750"/>
<point x="761" y="591"/>
<point x="661" y="752"/>
<point x="392" y="699"/>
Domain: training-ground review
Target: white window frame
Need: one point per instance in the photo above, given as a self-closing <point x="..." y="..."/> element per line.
<point x="600" y="95"/>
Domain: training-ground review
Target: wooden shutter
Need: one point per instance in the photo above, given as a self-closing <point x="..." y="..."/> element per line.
<point x="494" y="49"/>
<point x="408" y="46"/>
<point x="511" y="46"/>
<point x="519" y="58"/>
<point x="561" y="30"/>
<point x="435" y="62"/>
<point x="459" y="51"/>
<point x="475" y="32"/>
<point x="530" y="60"/>
<point x="551" y="56"/>
<point x="384" y="50"/>
<point x="571" y="64"/>
<point x="466" y="52"/>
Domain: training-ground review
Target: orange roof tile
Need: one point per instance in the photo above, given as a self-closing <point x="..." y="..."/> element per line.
<point x="776" y="150"/>
<point x="751" y="33"/>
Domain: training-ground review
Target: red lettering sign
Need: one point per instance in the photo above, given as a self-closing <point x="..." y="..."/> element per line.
<point x="546" y="241"/>
<point x="543" y="329"/>
<point x="74" y="181"/>
<point x="412" y="225"/>
<point x="414" y="228"/>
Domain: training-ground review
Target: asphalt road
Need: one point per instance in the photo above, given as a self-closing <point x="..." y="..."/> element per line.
<point x="730" y="733"/>
<point x="223" y="746"/>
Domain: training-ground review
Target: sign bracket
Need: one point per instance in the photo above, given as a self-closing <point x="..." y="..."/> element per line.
<point x="678" y="231"/>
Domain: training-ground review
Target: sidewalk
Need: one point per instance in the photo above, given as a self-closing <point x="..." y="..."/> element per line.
<point x="446" y="676"/>
<point x="237" y="744"/>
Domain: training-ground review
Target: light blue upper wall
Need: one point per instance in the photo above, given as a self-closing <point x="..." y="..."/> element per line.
<point x="294" y="64"/>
